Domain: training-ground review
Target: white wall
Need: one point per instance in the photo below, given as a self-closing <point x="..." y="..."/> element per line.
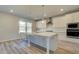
<point x="9" y="27"/>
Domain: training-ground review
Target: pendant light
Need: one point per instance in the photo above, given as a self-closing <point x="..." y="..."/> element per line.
<point x="43" y="13"/>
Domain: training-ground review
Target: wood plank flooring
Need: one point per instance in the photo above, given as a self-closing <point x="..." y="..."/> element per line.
<point x="20" y="47"/>
<point x="66" y="47"/>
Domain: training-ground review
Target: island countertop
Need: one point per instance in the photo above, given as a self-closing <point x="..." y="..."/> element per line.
<point x="47" y="34"/>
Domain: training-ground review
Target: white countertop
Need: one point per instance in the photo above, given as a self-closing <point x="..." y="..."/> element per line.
<point x="47" y="34"/>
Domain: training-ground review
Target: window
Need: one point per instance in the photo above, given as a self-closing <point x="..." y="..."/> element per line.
<point x="29" y="27"/>
<point x="22" y="27"/>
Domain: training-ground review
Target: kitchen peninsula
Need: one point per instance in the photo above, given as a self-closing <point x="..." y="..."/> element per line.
<point x="47" y="40"/>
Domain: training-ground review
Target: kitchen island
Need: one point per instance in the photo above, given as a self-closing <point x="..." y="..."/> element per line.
<point x="47" y="40"/>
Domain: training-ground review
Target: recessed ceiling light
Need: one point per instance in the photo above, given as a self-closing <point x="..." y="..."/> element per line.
<point x="11" y="10"/>
<point x="61" y="9"/>
<point x="42" y="21"/>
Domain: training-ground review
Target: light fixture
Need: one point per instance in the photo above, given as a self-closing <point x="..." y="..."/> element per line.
<point x="44" y="13"/>
<point x="61" y="9"/>
<point x="42" y="21"/>
<point x="11" y="10"/>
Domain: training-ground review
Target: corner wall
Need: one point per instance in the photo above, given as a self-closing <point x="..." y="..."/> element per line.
<point x="9" y="27"/>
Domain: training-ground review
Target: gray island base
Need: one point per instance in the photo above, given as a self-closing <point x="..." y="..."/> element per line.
<point x="47" y="40"/>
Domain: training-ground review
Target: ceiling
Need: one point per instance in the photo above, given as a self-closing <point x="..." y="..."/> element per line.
<point x="37" y="11"/>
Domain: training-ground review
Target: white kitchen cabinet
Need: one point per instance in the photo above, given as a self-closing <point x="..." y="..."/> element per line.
<point x="59" y="24"/>
<point x="59" y="21"/>
<point x="62" y="20"/>
<point x="75" y="17"/>
<point x="68" y="18"/>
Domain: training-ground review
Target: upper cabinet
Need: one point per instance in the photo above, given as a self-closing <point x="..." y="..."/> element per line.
<point x="68" y="18"/>
<point x="59" y="21"/>
<point x="62" y="21"/>
<point x="75" y="17"/>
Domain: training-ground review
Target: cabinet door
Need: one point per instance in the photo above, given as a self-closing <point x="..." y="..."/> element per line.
<point x="68" y="18"/>
<point x="58" y="22"/>
<point x="62" y="20"/>
<point x="75" y="17"/>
